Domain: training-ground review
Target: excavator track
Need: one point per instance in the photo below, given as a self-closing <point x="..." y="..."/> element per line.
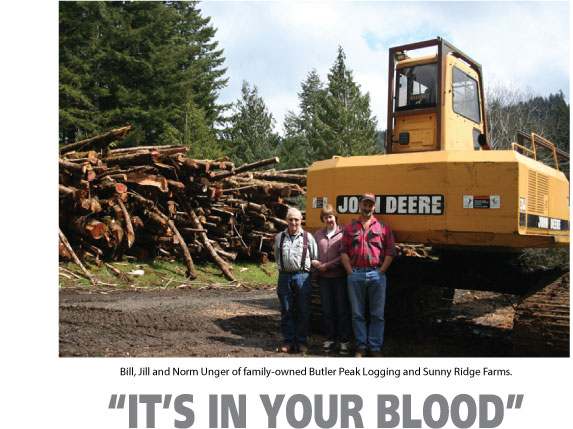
<point x="422" y="285"/>
<point x="541" y="322"/>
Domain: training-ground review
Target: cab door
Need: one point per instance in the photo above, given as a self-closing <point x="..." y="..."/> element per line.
<point x="415" y="109"/>
<point x="463" y="119"/>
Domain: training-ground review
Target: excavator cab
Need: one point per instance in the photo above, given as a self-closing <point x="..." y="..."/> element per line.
<point x="439" y="183"/>
<point x="435" y="101"/>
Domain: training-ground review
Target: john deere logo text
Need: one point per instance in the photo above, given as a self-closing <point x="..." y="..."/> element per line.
<point x="395" y="204"/>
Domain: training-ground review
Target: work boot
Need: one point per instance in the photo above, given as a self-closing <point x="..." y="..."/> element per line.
<point x="360" y="353"/>
<point x="344" y="349"/>
<point x="327" y="346"/>
<point x="375" y="353"/>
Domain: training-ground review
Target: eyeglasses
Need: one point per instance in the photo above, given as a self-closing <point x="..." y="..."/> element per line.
<point x="293" y="219"/>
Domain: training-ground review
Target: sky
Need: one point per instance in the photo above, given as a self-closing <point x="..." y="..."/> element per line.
<point x="275" y="44"/>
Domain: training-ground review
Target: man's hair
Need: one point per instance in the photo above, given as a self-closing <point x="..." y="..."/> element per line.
<point x="328" y="210"/>
<point x="293" y="211"/>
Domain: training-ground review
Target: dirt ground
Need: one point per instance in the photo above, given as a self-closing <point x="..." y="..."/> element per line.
<point x="245" y="322"/>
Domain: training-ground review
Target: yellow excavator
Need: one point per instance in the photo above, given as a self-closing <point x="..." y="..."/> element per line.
<point x="441" y="185"/>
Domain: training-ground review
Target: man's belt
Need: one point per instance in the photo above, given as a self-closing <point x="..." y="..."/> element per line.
<point x="377" y="267"/>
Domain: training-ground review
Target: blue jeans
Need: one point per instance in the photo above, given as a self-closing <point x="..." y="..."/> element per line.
<point x="294" y="291"/>
<point x="367" y="284"/>
<point x="335" y="308"/>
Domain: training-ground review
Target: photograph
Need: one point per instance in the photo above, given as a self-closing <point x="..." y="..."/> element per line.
<point x="294" y="214"/>
<point x="261" y="179"/>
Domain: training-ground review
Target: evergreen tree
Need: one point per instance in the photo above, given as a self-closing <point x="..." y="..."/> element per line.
<point x="310" y="97"/>
<point x="294" y="147"/>
<point x="333" y="120"/>
<point x="80" y="50"/>
<point x="146" y="64"/>
<point x="343" y="123"/>
<point x="198" y="135"/>
<point x="296" y="150"/>
<point x="250" y="134"/>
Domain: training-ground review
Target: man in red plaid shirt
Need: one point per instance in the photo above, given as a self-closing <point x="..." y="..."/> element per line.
<point x="366" y="253"/>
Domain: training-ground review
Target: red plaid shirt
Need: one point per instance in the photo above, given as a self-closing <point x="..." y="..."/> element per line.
<point x="368" y="248"/>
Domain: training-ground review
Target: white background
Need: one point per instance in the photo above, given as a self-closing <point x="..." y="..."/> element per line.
<point x="39" y="389"/>
<point x="75" y="392"/>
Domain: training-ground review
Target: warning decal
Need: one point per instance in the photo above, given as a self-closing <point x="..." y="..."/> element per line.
<point x="319" y="202"/>
<point x="482" y="202"/>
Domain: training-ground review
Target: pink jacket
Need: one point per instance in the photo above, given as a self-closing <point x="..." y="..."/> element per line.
<point x="328" y="252"/>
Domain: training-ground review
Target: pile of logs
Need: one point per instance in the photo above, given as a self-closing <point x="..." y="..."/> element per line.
<point x="153" y="201"/>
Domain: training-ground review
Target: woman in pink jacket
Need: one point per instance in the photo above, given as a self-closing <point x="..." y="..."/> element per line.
<point x="332" y="283"/>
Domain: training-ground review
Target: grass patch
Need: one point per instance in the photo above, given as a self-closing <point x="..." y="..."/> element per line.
<point x="158" y="273"/>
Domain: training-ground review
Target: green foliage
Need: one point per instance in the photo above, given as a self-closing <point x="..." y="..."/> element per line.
<point x="152" y="65"/>
<point x="343" y="121"/>
<point x="310" y="97"/>
<point x="294" y="151"/>
<point x="297" y="150"/>
<point x="198" y="135"/>
<point x="334" y="120"/>
<point x="250" y="134"/>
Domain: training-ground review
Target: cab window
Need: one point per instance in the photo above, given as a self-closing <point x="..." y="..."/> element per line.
<point x="466" y="95"/>
<point x="416" y="87"/>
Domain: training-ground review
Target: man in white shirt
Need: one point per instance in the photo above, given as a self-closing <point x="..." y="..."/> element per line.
<point x="295" y="250"/>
